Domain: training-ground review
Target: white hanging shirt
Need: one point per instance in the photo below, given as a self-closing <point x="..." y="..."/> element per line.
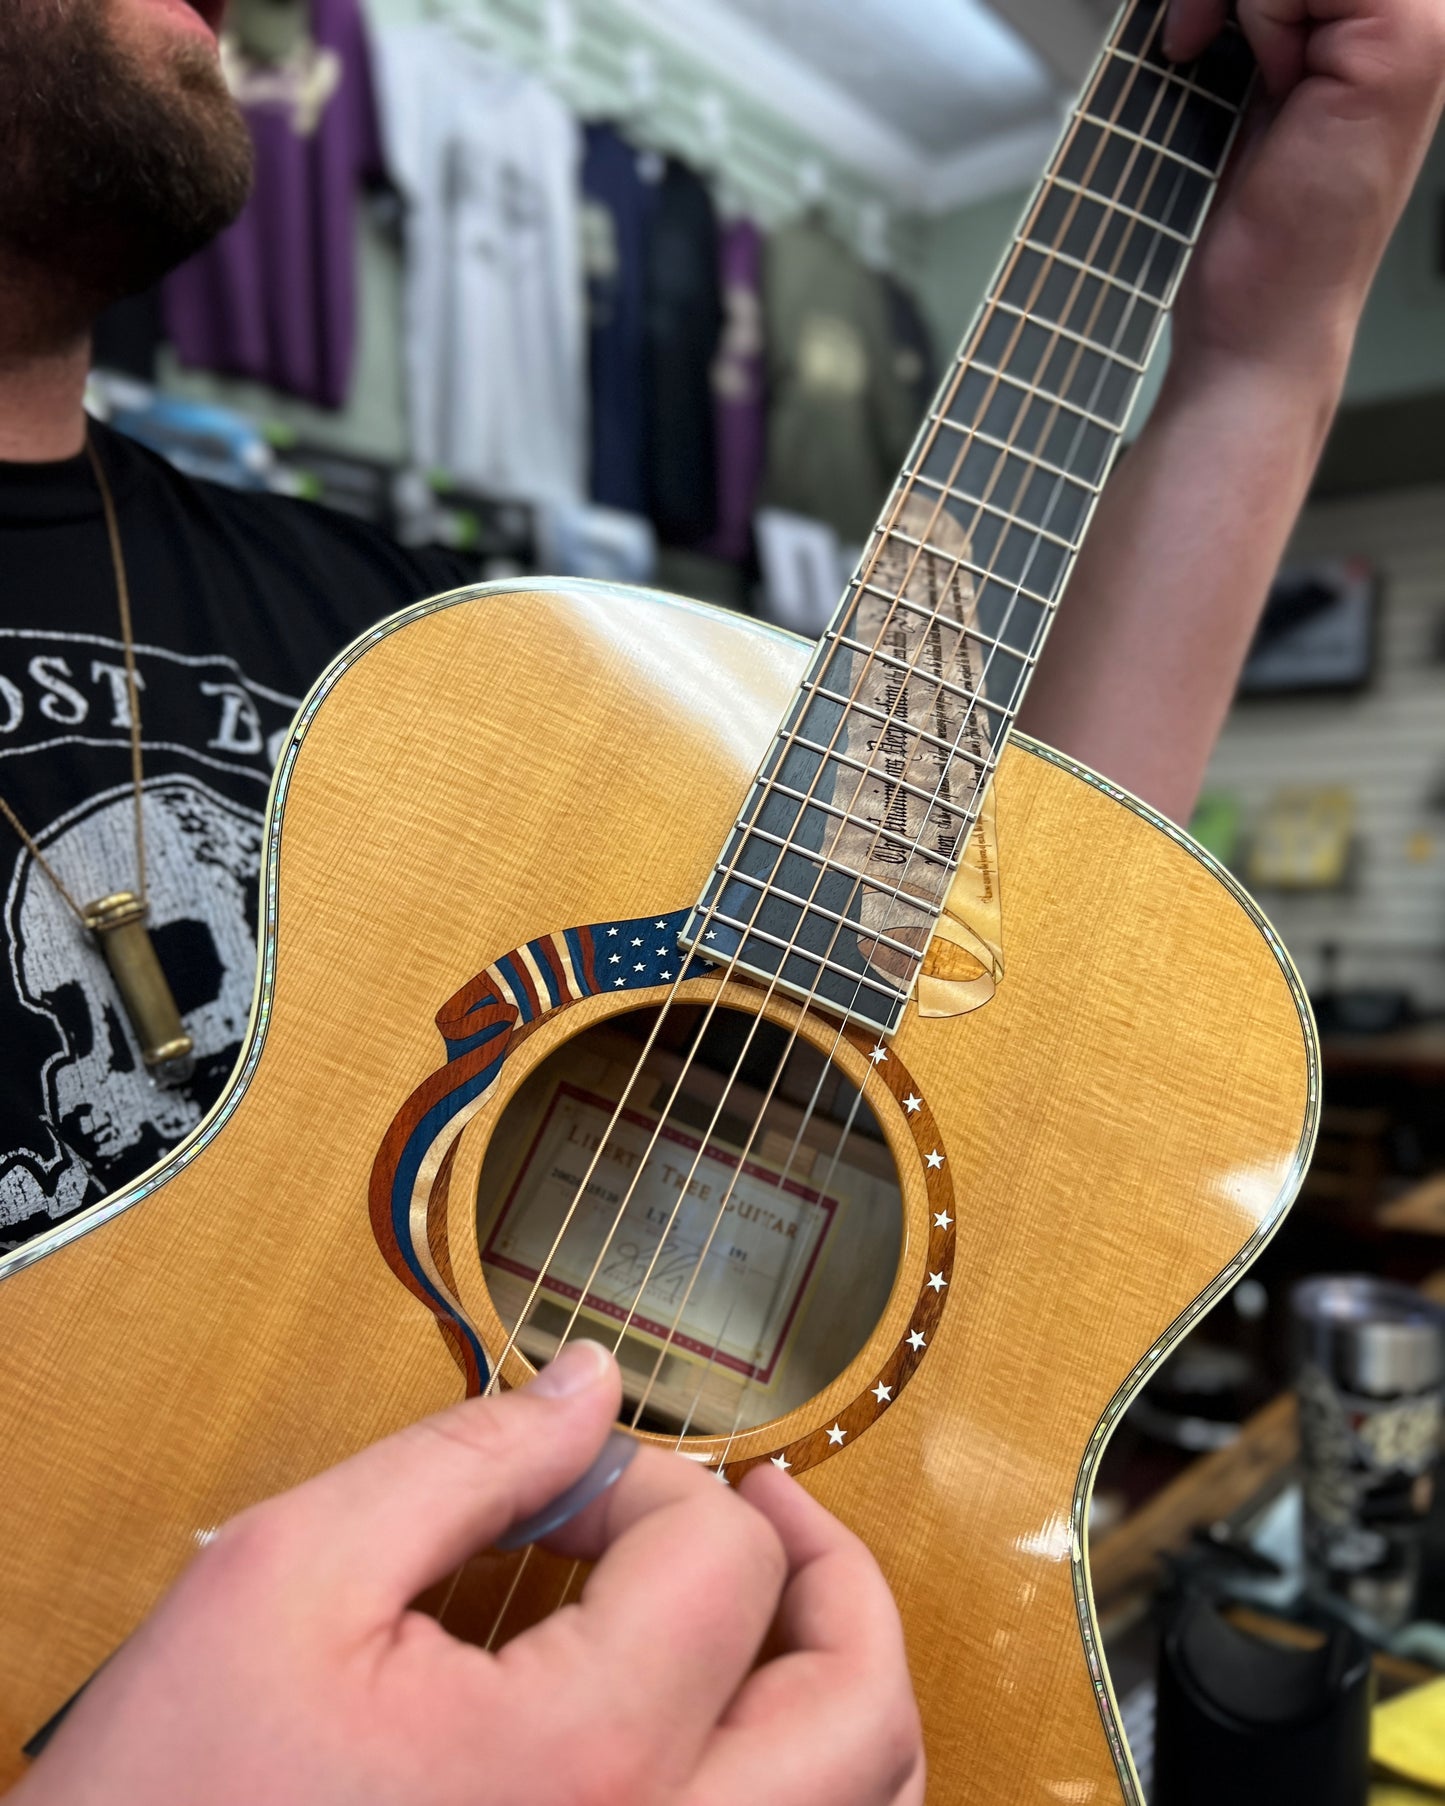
<point x="488" y="162"/>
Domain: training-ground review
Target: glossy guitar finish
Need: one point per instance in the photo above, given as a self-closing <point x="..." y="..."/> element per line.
<point x="1120" y="1129"/>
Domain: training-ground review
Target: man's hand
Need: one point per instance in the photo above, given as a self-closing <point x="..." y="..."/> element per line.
<point x="287" y="1667"/>
<point x="1145" y="658"/>
<point x="1350" y="96"/>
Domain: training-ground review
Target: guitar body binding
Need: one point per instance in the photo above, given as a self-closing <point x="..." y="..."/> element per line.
<point x="470" y="796"/>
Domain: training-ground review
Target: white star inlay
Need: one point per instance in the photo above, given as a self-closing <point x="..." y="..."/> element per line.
<point x="620" y="983"/>
<point x="913" y="1103"/>
<point x="935" y="1160"/>
<point x="783" y="1462"/>
<point x="667" y="975"/>
<point x="661" y="952"/>
<point x="711" y="935"/>
<point x="614" y="959"/>
<point x="638" y="941"/>
<point x="878" y="1055"/>
<point x="937" y="1281"/>
<point x="836" y="1435"/>
<point x="943" y="1220"/>
<point x="612" y="931"/>
<point x="882" y="1393"/>
<point x="661" y="924"/>
<point x="639" y="967"/>
<point x="917" y="1340"/>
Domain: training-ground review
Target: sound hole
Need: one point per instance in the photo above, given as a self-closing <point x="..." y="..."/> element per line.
<point x="734" y="1230"/>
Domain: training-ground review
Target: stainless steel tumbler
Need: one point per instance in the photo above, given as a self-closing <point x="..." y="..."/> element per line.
<point x="1371" y="1382"/>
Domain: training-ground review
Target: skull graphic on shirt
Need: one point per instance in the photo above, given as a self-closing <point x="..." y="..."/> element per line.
<point x="103" y="1108"/>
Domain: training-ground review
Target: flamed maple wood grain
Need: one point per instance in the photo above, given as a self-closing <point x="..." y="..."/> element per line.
<point x="1125" y="1120"/>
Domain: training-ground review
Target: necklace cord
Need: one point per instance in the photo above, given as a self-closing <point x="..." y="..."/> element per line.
<point x="132" y="684"/>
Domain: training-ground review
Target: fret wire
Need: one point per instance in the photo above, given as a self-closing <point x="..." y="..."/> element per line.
<point x="997" y="444"/>
<point x="1076" y="338"/>
<point x="775" y="783"/>
<point x="1124" y="212"/>
<point x="923" y="610"/>
<point x="1170" y="79"/>
<point x="1107" y="427"/>
<point x="812" y="746"/>
<point x="942" y="804"/>
<point x="792" y="950"/>
<point x="895" y="720"/>
<point x="870" y="879"/>
<point x="1051" y="253"/>
<point x="837" y="865"/>
<point x="1015" y="520"/>
<point x="1114" y="129"/>
<point x="1008" y="516"/>
<point x="1035" y="212"/>
<point x="1110" y="428"/>
<point x="973" y="633"/>
<point x="1043" y="394"/>
<point x="916" y="673"/>
<point x="1016" y="590"/>
<point x="974" y="570"/>
<point x="1164" y="233"/>
<point x="771" y="890"/>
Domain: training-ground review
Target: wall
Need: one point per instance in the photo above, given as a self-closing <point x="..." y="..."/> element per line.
<point x="1387" y="744"/>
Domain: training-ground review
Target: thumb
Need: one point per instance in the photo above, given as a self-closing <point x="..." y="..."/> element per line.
<point x="1190" y="27"/>
<point x="382" y="1527"/>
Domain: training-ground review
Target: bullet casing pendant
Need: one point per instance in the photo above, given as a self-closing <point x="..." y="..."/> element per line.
<point x="118" y="923"/>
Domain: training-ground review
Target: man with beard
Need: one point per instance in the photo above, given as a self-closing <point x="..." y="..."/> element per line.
<point x="123" y="153"/>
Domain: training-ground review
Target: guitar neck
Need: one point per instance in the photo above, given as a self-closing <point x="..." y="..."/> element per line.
<point x="834" y="877"/>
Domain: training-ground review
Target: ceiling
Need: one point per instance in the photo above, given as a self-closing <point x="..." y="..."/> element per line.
<point x="943" y="74"/>
<point x="940" y="102"/>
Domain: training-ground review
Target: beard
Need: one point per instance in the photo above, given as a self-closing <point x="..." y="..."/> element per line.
<point x="116" y="168"/>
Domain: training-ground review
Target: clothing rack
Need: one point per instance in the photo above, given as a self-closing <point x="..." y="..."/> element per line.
<point x="606" y="65"/>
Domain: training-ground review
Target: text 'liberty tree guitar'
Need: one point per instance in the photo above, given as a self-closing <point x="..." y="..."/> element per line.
<point x="895" y="1093"/>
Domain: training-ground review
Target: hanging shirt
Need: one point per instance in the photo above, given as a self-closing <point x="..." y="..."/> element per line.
<point x="274" y="297"/>
<point x="840" y="421"/>
<point x="684" y="326"/>
<point x="239" y="602"/>
<point x="488" y="161"/>
<point x="739" y="380"/>
<point x="914" y="361"/>
<point x="616" y="217"/>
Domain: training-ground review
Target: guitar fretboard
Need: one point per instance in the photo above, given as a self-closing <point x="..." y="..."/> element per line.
<point x="833" y="879"/>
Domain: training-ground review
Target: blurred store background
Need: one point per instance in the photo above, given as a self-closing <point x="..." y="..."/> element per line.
<point x="529" y="278"/>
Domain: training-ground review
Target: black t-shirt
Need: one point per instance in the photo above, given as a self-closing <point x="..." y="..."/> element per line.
<point x="238" y="603"/>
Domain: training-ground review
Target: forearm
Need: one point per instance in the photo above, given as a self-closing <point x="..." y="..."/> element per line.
<point x="1143" y="661"/>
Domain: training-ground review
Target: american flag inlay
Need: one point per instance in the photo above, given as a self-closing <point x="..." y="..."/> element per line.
<point x="479" y="1025"/>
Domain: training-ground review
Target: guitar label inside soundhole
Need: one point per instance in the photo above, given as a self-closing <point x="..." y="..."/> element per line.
<point x="726" y="1212"/>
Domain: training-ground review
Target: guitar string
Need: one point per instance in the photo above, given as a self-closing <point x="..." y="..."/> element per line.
<point x="1160" y="236"/>
<point x="586" y="1288"/>
<point x="838" y="1037"/>
<point x="789" y="736"/>
<point x="681" y="1310"/>
<point x="837" y="930"/>
<point x="1048" y="515"/>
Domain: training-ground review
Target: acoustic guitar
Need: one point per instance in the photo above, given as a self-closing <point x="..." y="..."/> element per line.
<point x="892" y="1092"/>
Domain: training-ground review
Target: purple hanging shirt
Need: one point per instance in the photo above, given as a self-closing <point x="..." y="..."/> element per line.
<point x="274" y="298"/>
<point x="739" y="390"/>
